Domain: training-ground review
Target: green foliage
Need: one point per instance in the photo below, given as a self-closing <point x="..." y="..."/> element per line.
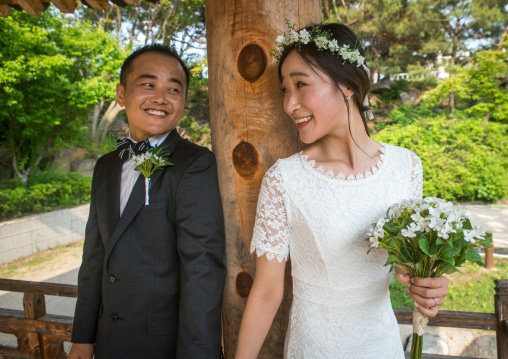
<point x="463" y="158"/>
<point x="421" y="77"/>
<point x="399" y="33"/>
<point x="397" y="87"/>
<point x="45" y="193"/>
<point x="53" y="71"/>
<point x="197" y="133"/>
<point x="472" y="291"/>
<point x="427" y="237"/>
<point x="407" y="114"/>
<point x="477" y="86"/>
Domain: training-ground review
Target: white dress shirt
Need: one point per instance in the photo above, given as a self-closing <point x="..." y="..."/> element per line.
<point x="129" y="176"/>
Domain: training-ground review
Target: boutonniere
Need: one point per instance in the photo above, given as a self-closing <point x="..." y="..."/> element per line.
<point x="147" y="163"/>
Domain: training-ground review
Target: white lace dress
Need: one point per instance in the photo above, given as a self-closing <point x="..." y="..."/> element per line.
<point x="341" y="303"/>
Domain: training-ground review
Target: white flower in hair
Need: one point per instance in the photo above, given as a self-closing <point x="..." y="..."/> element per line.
<point x="333" y="45"/>
<point x="304" y="36"/>
<point x="292" y="37"/>
<point x="321" y="42"/>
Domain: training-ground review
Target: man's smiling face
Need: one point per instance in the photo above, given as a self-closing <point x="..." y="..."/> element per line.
<point x="153" y="95"/>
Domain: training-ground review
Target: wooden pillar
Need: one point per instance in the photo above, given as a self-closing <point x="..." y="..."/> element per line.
<point x="249" y="133"/>
<point x="489" y="257"/>
<point x="501" y="307"/>
<point x="34" y="307"/>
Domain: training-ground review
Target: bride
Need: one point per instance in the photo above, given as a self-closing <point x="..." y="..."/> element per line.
<point x="316" y="207"/>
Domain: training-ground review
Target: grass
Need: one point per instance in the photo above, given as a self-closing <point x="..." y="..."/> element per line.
<point x="472" y="291"/>
<point x="39" y="261"/>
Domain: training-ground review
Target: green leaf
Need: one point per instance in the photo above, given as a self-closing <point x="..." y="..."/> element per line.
<point x="419" y="257"/>
<point x="433" y="249"/>
<point x="424" y="246"/>
<point x="450" y="270"/>
<point x="450" y="252"/>
<point x="486" y="244"/>
<point x="471" y="255"/>
<point x="467" y="224"/>
<point x="449" y="260"/>
<point x="406" y="221"/>
<point x="392" y="259"/>
<point x="440" y="240"/>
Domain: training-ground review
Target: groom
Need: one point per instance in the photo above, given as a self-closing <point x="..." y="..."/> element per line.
<point x="150" y="285"/>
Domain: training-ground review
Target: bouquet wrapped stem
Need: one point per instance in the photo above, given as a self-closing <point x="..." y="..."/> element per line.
<point x="426" y="238"/>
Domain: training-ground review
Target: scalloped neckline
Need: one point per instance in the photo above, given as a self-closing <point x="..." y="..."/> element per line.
<point x="340" y="176"/>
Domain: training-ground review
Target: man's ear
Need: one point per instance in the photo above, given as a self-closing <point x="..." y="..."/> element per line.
<point x="120" y="90"/>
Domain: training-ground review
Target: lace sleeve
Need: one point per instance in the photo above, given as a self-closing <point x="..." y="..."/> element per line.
<point x="416" y="181"/>
<point x="271" y="232"/>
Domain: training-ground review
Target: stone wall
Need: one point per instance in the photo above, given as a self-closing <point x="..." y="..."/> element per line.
<point x="29" y="235"/>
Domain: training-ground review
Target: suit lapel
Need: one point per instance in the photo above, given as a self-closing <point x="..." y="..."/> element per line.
<point x="111" y="200"/>
<point x="137" y="198"/>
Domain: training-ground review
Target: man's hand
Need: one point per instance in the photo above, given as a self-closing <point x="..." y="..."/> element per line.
<point x="81" y="351"/>
<point x="428" y="293"/>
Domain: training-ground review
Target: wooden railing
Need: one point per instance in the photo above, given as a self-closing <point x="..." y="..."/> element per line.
<point x="42" y="335"/>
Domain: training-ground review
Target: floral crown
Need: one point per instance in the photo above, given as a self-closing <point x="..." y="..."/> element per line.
<point x="322" y="39"/>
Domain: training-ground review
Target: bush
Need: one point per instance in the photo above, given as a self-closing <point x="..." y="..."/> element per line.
<point x="463" y="159"/>
<point x="197" y="133"/>
<point x="397" y="87"/>
<point x="45" y="193"/>
<point x="407" y="114"/>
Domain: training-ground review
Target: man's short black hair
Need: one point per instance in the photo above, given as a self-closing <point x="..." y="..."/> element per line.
<point x="162" y="49"/>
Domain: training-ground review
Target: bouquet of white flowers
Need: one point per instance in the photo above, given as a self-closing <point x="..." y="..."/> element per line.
<point x="426" y="238"/>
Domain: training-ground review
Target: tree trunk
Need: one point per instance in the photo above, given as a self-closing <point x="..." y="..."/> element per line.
<point x="107" y="119"/>
<point x="249" y="133"/>
<point x="335" y="9"/>
<point x="327" y="9"/>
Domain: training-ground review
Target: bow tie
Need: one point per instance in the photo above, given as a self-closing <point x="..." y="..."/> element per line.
<point x="128" y="149"/>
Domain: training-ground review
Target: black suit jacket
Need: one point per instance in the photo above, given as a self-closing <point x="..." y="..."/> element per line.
<point x="151" y="282"/>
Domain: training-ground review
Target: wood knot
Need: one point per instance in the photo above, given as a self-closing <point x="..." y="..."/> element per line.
<point x="244" y="283"/>
<point x="251" y="62"/>
<point x="245" y="159"/>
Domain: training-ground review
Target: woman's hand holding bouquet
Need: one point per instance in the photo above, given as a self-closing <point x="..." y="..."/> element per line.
<point x="426" y="238"/>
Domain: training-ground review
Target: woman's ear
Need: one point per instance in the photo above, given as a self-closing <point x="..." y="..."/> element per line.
<point x="348" y="92"/>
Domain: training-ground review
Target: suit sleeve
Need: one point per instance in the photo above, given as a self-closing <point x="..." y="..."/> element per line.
<point x="89" y="279"/>
<point x="200" y="241"/>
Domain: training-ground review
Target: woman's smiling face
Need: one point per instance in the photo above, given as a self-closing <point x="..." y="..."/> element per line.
<point x="311" y="99"/>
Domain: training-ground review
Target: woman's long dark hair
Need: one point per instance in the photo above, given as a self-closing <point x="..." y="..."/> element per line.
<point x="339" y="71"/>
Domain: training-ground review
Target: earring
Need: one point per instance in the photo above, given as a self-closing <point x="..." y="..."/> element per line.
<point x="348" y="98"/>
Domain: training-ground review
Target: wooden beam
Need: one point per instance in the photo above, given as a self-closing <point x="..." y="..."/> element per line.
<point x="32" y="7"/>
<point x="5" y="10"/>
<point x="58" y="325"/>
<point x="65" y="6"/>
<point x="131" y="2"/>
<point x="62" y="290"/>
<point x="34" y="305"/>
<point x="501" y="306"/>
<point x="469" y="320"/>
<point x="97" y="4"/>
